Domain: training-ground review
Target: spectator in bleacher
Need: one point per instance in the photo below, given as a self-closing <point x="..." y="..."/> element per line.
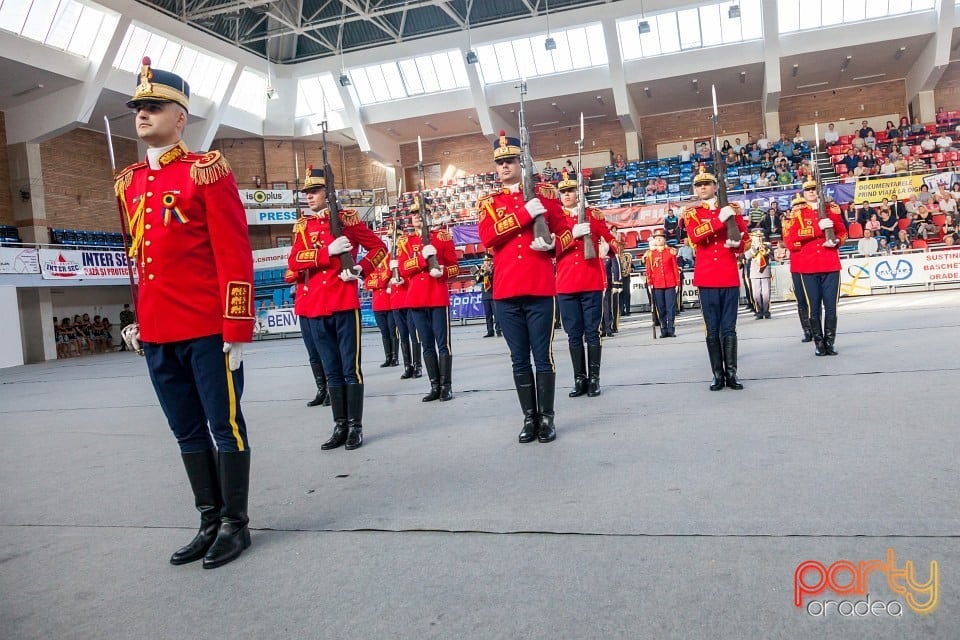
<point x="670" y="224"/>
<point x="924" y="194"/>
<point x="946" y="204"/>
<point x="732" y="158"/>
<point x="858" y="144"/>
<point x="910" y="206"/>
<point x="949" y="230"/>
<point x="752" y="152"/>
<point x="873" y="224"/>
<point x="888" y="168"/>
<point x="888" y="224"/>
<point x="893" y="132"/>
<point x="651" y="188"/>
<point x="903" y="241"/>
<point x="766" y="161"/>
<point x="763" y="144"/>
<point x="570" y="170"/>
<point x="547" y="173"/>
<point x="830" y="136"/>
<point x="866" y="131"/>
<point x="785" y="146"/>
<point x="923" y="225"/>
<point x="762" y="180"/>
<point x="883" y="246"/>
<point x="127" y="318"/>
<point x="754" y="214"/>
<point x="704" y="151"/>
<point x="941" y="191"/>
<point x="685" y="256"/>
<point x="684" y="154"/>
<point x="865" y="212"/>
<point x="904" y="126"/>
<point x="797" y="137"/>
<point x="616" y="191"/>
<point x="944" y="142"/>
<point x="627" y="190"/>
<point x="850" y="161"/>
<point x="928" y="144"/>
<point x="860" y="170"/>
<point x="726" y="147"/>
<point x="768" y="223"/>
<point x="737" y="146"/>
<point x="661" y="185"/>
<point x="867" y="245"/>
<point x="955" y="191"/>
<point x="917" y="164"/>
<point x="917" y="127"/>
<point x="620" y="163"/>
<point x="62" y="336"/>
<point x="941" y="116"/>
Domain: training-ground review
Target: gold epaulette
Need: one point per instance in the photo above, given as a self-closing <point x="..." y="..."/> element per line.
<point x="349" y="217"/>
<point x="689" y="211"/>
<point x="444" y="235"/>
<point x="835" y="208"/>
<point x="124" y="178"/>
<point x="673" y="251"/>
<point x="647" y="254"/>
<point x="547" y="190"/>
<point x="736" y="206"/>
<point x="596" y="214"/>
<point x="299" y="224"/>
<point x="209" y="168"/>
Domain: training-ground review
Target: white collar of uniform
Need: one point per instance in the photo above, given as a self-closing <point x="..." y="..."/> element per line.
<point x="813" y="205"/>
<point x="513" y="188"/>
<point x="154" y="153"/>
<point x="711" y="203"/>
<point x="310" y="213"/>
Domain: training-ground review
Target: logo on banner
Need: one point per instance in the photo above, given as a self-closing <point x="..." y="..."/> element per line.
<point x="893" y="273"/>
<point x="61" y="267"/>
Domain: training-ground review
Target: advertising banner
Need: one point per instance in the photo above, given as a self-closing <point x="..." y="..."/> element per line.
<point x="89" y="264"/>
<point x="265" y="197"/>
<point x="19" y="260"/>
<point x="895" y="188"/>
<point x="466" y="304"/>
<point x="275" y="258"/>
<point x="858" y="276"/>
<point x="271" y="216"/>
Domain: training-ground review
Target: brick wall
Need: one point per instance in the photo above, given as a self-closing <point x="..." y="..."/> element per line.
<point x="695" y="123"/>
<point x="947" y="93"/>
<point x="6" y="206"/>
<point x="843" y="104"/>
<point x="78" y="182"/>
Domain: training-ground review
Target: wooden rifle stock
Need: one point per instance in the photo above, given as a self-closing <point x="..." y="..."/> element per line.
<point x="540" y="228"/>
<point x="333" y="205"/>
<point x="425" y="218"/>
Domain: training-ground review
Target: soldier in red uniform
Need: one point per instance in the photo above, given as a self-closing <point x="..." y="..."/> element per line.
<point x="332" y="302"/>
<point x="580" y="285"/>
<point x="716" y="274"/>
<point x="429" y="301"/>
<point x="378" y="283"/>
<point x="663" y="278"/>
<point x="817" y="260"/>
<point x="195" y="308"/>
<point x="403" y="316"/>
<point x="802" y="309"/>
<point x="316" y="364"/>
<point x="524" y="285"/>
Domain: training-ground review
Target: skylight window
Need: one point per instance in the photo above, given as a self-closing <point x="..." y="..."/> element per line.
<point x="579" y="48"/>
<point x="414" y="76"/>
<point x="313" y="92"/>
<point x="814" y="14"/>
<point x="251" y="93"/>
<point x="67" y="25"/>
<point x="206" y="75"/>
<point x="705" y="26"/>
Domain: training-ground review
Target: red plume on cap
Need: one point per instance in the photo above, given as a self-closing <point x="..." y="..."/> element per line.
<point x="146" y="61"/>
<point x="502" y="132"/>
<point x="309" y="168"/>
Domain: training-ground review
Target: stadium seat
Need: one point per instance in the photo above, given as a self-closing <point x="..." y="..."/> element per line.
<point x="903" y="223"/>
<point x="855" y="231"/>
<point x="919" y="244"/>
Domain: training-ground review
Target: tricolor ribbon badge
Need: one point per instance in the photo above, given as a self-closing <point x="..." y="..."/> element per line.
<point x="171" y="206"/>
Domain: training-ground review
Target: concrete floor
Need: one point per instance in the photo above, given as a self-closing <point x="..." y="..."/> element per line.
<point x="663" y="510"/>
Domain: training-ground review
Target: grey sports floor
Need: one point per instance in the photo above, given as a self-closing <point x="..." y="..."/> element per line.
<point x="663" y="510"/>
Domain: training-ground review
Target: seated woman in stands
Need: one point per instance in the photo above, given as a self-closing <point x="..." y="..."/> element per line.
<point x="955" y="191"/>
<point x="924" y="194"/>
<point x="620" y="163"/>
<point x="616" y="191"/>
<point x="651" y="188"/>
<point x="916" y="128"/>
<point x="627" y="190"/>
<point x="904" y="127"/>
<point x="893" y="132"/>
<point x="872" y="225"/>
<point x="726" y="147"/>
<point x="923" y="223"/>
<point x="888" y="223"/>
<point x="950" y="234"/>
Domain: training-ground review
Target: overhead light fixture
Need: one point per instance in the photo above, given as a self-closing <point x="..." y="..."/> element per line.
<point x="846" y="63"/>
<point x="472" y="57"/>
<point x="471" y="54"/>
<point x="431" y="126"/>
<point x="549" y="44"/>
<point x="899" y="53"/>
<point x="796" y="68"/>
<point x="646" y="90"/>
<point x="643" y="27"/>
<point x="695" y="84"/>
<point x="344" y="80"/>
<point x="743" y="77"/>
<point x="733" y="12"/>
<point x="272" y="93"/>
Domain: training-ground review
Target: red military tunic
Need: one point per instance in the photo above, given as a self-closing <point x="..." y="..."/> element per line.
<point x="576" y="274"/>
<point x="324" y="292"/>
<point x="291" y="277"/>
<point x="506" y="229"/>
<point x="398" y="292"/>
<point x="716" y="264"/>
<point x="663" y="272"/>
<point x="423" y="290"/>
<point x="192" y="251"/>
<point x="805" y="239"/>
<point x="378" y="283"/>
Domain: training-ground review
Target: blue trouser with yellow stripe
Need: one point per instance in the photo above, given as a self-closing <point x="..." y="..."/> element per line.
<point x="527" y="324"/>
<point x="719" y="308"/>
<point x="337" y="337"/>
<point x="582" y="315"/>
<point x="198" y="393"/>
<point x="433" y="327"/>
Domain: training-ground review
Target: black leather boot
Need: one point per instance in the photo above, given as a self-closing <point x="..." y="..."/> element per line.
<point x="321" y="379"/>
<point x="579" y="371"/>
<point x="433" y="372"/>
<point x="387" y="350"/>
<point x="446" y="382"/>
<point x="354" y="417"/>
<point x="593" y="370"/>
<point x="817" y="332"/>
<point x="233" y="536"/>
<point x="829" y="335"/>
<point x="546" y="386"/>
<point x="807" y="333"/>
<point x="417" y="354"/>
<point x="730" y="362"/>
<point x="407" y="362"/>
<point x="395" y="350"/>
<point x="338" y="398"/>
<point x="527" y="395"/>
<point x="201" y="469"/>
<point x="716" y="363"/>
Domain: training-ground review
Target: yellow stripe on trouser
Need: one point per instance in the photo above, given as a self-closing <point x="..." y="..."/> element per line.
<point x="553" y="325"/>
<point x="807" y="298"/>
<point x="232" y="402"/>
<point x="356" y="347"/>
<point x="449" y="341"/>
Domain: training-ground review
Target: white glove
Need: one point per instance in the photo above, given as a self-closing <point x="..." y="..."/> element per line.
<point x="388" y="290"/>
<point x="831" y="245"/>
<point x="394" y="264"/>
<point x="340" y="244"/>
<point x="826" y="223"/>
<point x="348" y="275"/>
<point x="731" y="244"/>
<point x="396" y="281"/>
<point x="234" y="351"/>
<point x="428" y="250"/>
<point x="603" y="249"/>
<point x="539" y="244"/>
<point x="436" y="273"/>
<point x="131" y="336"/>
<point x="535" y="208"/>
<point x="726" y="213"/>
<point x="581" y="229"/>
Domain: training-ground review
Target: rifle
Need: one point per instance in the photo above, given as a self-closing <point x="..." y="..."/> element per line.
<point x="333" y="205"/>
<point x="121" y="209"/>
<point x="829" y="234"/>
<point x="425" y="221"/>
<point x="589" y="250"/>
<point x="540" y="228"/>
<point x="396" y="270"/>
<point x="733" y="231"/>
<point x="654" y="313"/>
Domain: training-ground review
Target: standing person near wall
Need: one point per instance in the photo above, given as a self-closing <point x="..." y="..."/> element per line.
<point x="484" y="275"/>
<point x="803" y="311"/>
<point x="127" y="318"/>
<point x="524" y="285"/>
<point x="758" y="258"/>
<point x="663" y="278"/>
<point x="403" y="317"/>
<point x="428" y="298"/>
<point x="817" y="260"/>
<point x="333" y="303"/>
<point x="190" y="242"/>
<point x="580" y="285"/>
